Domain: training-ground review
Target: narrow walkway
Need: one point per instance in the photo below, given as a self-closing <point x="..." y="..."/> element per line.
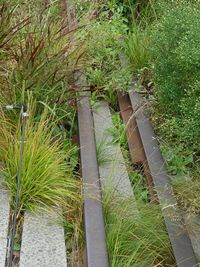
<point x="112" y="168"/>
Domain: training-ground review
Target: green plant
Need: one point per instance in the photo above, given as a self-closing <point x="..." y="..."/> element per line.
<point x="178" y="160"/>
<point x="36" y="57"/>
<point x="140" y="187"/>
<point x="37" y="60"/>
<point x="183" y="167"/>
<point x="175" y="50"/>
<point x="175" y="54"/>
<point x="118" y="131"/>
<point x="103" y="155"/>
<point x="103" y="68"/>
<point x="176" y="57"/>
<point x="134" y="239"/>
<point x="46" y="176"/>
<point x="132" y="10"/>
<point x="136" y="48"/>
<point x="187" y="196"/>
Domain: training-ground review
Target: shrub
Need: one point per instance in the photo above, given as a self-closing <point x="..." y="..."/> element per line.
<point x="176" y="55"/>
<point x="176" y="68"/>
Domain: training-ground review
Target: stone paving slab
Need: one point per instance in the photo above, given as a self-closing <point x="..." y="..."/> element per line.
<point x="4" y="222"/>
<point x="112" y="169"/>
<point x="193" y="226"/>
<point x="43" y="243"/>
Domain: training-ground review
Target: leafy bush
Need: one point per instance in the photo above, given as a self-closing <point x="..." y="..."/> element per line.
<point x="135" y="10"/>
<point x="176" y="55"/>
<point x="176" y="68"/>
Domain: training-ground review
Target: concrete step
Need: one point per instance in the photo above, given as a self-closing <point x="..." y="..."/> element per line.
<point x="112" y="167"/>
<point x="4" y="221"/>
<point x="43" y="243"/>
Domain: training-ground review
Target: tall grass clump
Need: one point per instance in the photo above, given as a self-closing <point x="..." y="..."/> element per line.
<point x="136" y="48"/>
<point x="134" y="239"/>
<point x="46" y="177"/>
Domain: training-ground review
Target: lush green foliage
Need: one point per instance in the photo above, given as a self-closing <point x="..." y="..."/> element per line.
<point x="176" y="54"/>
<point x="176" y="68"/>
<point x="102" y="42"/>
<point x="37" y="59"/>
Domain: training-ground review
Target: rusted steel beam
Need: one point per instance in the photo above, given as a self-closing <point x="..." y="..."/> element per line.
<point x="96" y="247"/>
<point x="134" y="141"/>
<point x="132" y="134"/>
<point x="180" y="241"/>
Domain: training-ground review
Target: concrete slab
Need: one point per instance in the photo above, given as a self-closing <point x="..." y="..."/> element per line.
<point x="112" y="168"/>
<point x="193" y="226"/>
<point x="4" y="221"/>
<point x="43" y="243"/>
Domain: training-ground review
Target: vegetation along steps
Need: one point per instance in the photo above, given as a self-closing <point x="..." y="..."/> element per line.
<point x="181" y="243"/>
<point x="84" y="203"/>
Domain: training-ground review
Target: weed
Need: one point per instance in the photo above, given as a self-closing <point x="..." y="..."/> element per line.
<point x="118" y="131"/>
<point x="103" y="155"/>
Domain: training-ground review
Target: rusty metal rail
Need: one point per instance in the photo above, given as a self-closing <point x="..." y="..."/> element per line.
<point x="143" y="131"/>
<point x="137" y="153"/>
<point x="96" y="248"/>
